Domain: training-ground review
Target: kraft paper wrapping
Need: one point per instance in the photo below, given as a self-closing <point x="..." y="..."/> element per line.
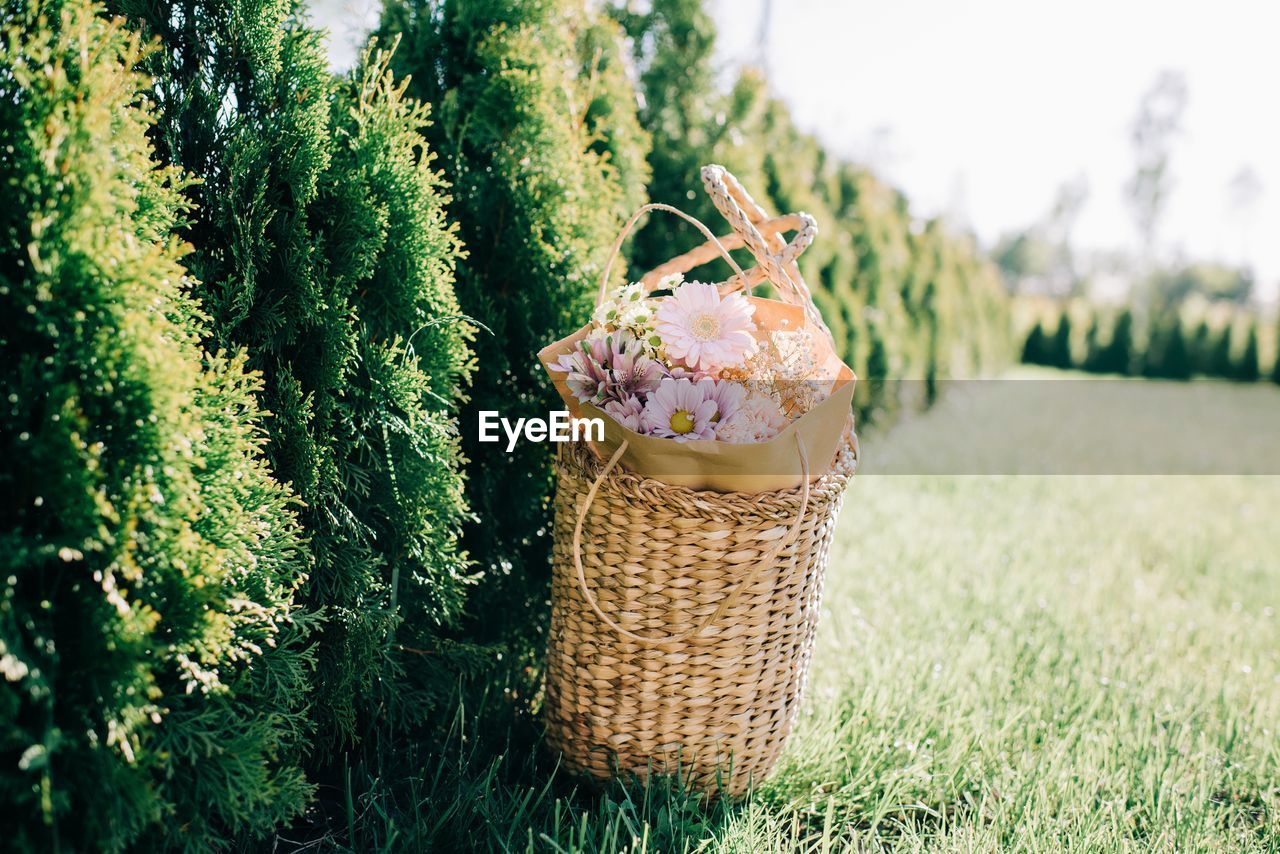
<point x="720" y="466"/>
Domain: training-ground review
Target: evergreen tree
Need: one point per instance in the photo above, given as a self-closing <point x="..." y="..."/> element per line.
<point x="1060" y="348"/>
<point x="390" y="249"/>
<point x="1167" y="355"/>
<point x="154" y="658"/>
<point x="1201" y="348"/>
<point x="1222" y="363"/>
<point x="1036" y="348"/>
<point x="684" y="112"/>
<point x="1117" y="357"/>
<point x="322" y="249"/>
<point x="1177" y="356"/>
<point x="1275" y="364"/>
<point x="1093" y="344"/>
<point x="1246" y="368"/>
<point x="610" y="116"/>
<point x="1151" y="358"/>
<point x="539" y="203"/>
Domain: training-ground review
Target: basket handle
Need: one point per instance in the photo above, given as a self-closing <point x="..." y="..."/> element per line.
<point x="631" y="223"/>
<point x="730" y="599"/>
<point x="805" y="226"/>
<point x="775" y="258"/>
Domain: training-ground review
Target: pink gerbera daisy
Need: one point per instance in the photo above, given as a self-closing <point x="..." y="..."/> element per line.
<point x="704" y="331"/>
<point x="681" y="410"/>
<point x="729" y="397"/>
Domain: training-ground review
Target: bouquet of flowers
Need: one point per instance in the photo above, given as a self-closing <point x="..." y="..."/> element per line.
<point x="707" y="385"/>
<point x="691" y="364"/>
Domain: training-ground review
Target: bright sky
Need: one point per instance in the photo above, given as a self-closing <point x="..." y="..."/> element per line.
<point x="983" y="108"/>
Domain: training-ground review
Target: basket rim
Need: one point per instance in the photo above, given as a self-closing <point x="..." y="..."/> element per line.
<point x="579" y="460"/>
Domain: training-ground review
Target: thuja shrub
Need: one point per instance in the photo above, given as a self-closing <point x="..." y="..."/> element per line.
<point x="538" y="197"/>
<point x="154" y="661"/>
<point x="608" y="107"/>
<point x="388" y="245"/>
<point x="673" y="44"/>
<point x="322" y="249"/>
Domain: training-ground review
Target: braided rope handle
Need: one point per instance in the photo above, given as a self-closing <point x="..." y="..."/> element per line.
<point x="747" y="232"/>
<point x="730" y="599"/>
<point x="775" y="257"/>
<point x="742" y="212"/>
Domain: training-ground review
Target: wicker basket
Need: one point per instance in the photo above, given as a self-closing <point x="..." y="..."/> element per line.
<point x="682" y="618"/>
<point x="681" y="638"/>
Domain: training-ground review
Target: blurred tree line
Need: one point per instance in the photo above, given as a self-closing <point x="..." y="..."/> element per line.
<point x="249" y="555"/>
<point x="1193" y="339"/>
<point x="1178" y="318"/>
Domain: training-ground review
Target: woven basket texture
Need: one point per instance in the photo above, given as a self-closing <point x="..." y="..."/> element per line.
<point x="715" y="708"/>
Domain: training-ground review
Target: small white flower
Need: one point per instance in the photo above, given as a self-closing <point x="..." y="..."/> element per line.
<point x="757" y="419"/>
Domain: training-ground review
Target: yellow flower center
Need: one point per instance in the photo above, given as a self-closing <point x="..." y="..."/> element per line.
<point x="705" y="327"/>
<point x="681" y="422"/>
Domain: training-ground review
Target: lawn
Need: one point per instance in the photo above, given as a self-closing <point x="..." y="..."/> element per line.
<point x="1039" y="663"/>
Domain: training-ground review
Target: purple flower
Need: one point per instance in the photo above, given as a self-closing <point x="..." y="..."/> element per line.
<point x="680" y="372"/>
<point x="609" y="366"/>
<point x="628" y="413"/>
<point x="681" y="410"/>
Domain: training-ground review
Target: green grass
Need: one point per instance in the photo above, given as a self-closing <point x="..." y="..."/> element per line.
<point x="1036" y="663"/>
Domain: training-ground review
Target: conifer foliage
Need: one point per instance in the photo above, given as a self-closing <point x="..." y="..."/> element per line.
<point x="154" y="661"/>
<point x="388" y="245"/>
<point x="322" y="249"/>
<point x="908" y="302"/>
<point x="537" y="165"/>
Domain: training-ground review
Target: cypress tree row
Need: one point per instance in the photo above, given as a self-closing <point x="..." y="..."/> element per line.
<point x="1176" y="343"/>
<point x="323" y="251"/>
<point x="904" y="300"/>
<point x="1247" y="368"/>
<point x="538" y="192"/>
<point x="1275" y="352"/>
<point x="154" y="660"/>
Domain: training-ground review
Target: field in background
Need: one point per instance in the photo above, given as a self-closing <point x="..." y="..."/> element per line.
<point x="1044" y="662"/>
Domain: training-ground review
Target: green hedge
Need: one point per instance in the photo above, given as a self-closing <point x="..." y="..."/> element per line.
<point x="322" y="249"/>
<point x="1177" y="342"/>
<point x="154" y="660"/>
<point x="544" y="162"/>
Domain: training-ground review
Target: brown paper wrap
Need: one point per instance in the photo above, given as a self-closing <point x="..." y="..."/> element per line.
<point x="720" y="466"/>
